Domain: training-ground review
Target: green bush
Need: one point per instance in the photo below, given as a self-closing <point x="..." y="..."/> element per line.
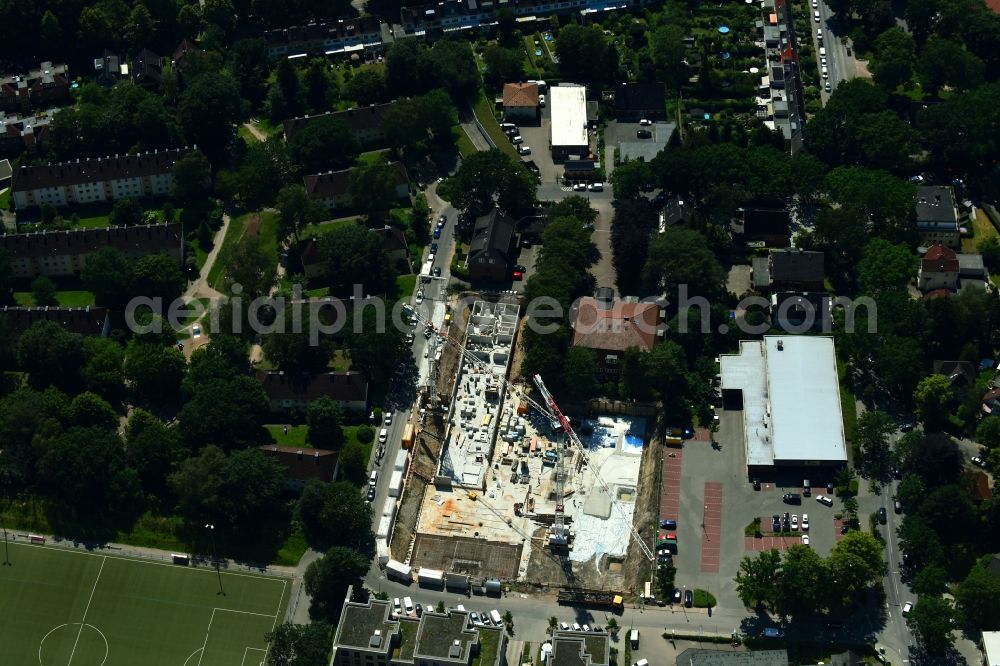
<point x="704" y="599"/>
<point x="365" y="434"/>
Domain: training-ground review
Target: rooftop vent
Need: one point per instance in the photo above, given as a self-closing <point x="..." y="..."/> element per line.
<point x="781" y="345"/>
<point x="376" y="639"/>
<point x="455" y="651"/>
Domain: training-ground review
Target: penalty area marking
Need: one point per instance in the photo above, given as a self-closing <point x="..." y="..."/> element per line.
<point x="208" y="632"/>
<point x="252" y="663"/>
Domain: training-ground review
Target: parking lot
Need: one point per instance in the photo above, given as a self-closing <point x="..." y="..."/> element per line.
<point x="717" y="502"/>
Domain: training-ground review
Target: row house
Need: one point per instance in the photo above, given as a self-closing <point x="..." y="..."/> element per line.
<point x="98" y="179"/>
<point x="44" y="85"/>
<point x="365" y="122"/>
<point x="64" y="253"/>
<point x="86" y="320"/>
<point x="341" y="36"/>
<point x="23" y="132"/>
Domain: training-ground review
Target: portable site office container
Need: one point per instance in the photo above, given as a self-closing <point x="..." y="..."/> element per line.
<point x="399" y="571"/>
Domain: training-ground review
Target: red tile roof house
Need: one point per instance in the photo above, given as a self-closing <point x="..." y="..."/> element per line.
<point x="610" y="327"/>
<point x="287" y="392"/>
<point x="332" y="189"/>
<point x="303" y="464"/>
<point x="149" y="174"/>
<point x="63" y="253"/>
<point x="520" y="101"/>
<point x="939" y="269"/>
<point x="365" y="122"/>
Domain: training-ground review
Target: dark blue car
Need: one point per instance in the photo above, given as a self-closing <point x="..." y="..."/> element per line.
<point x="668" y="524"/>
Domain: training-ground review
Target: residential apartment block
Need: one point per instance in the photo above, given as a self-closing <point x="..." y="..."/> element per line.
<point x="350" y="389"/>
<point x="369" y="634"/>
<point x="149" y="174"/>
<point x="45" y="85"/>
<point x="63" y="253"/>
<point x="365" y="122"/>
<point x="340" y="36"/>
<point x="85" y="320"/>
<point x="332" y="190"/>
<point x="24" y="131"/>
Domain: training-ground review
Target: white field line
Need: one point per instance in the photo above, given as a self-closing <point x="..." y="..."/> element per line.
<point x="86" y="610"/>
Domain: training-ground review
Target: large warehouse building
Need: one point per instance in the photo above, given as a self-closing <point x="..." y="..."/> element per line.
<point x="569" y="122"/>
<point x="788" y="390"/>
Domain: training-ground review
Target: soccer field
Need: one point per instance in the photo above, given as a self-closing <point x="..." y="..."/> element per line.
<point x="72" y="608"/>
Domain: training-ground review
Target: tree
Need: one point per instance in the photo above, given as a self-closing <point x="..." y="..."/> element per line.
<point x="159" y="276"/>
<point x="378" y="353"/>
<point x="96" y="28"/>
<point x="250" y="495"/>
<point x="943" y="62"/>
<point x="872" y="435"/>
<point x="290" y="85"/>
<point x="884" y="266"/>
<point x="802" y="584"/>
<point x="43" y="289"/>
<point x="323" y="144"/>
<point x="208" y="110"/>
<point x="352" y="255"/>
<point x="932" y="579"/>
<point x="584" y="53"/>
<point x="295" y="210"/>
<point x="89" y="410"/>
<point x="895" y="51"/>
<point x="140" y="29"/>
<point x="936" y="459"/>
<point x="102" y="371"/>
<point x="682" y="258"/>
<point x="152" y="449"/>
<point x="666" y="576"/>
<point x="252" y="267"/>
<point x="327" y="579"/>
<point x="325" y="419"/>
<point x="631" y="228"/>
<point x="50" y="354"/>
<point x="988" y="432"/>
<point x="757" y="578"/>
<point x="366" y="86"/>
<point x="931" y="400"/>
<point x="108" y="274"/>
<point x="978" y="596"/>
<point x="227" y="412"/>
<point x="629" y="178"/>
<point x="932" y="618"/>
<point x="491" y="178"/>
<point x="885" y="199"/>
<point x="153" y="370"/>
<point x="353" y="462"/>
<point x="299" y="644"/>
<point x="502" y="64"/>
<point x="854" y="565"/>
<point x="666" y="45"/>
<point x="192" y="178"/>
<point x="318" y="85"/>
<point x="50" y="31"/>
<point x="580" y="373"/>
<point x="449" y="64"/>
<point x="84" y="471"/>
<point x="372" y="189"/>
<point x="196" y="483"/>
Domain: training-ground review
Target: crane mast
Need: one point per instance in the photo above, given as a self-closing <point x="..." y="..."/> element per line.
<point x="559" y="535"/>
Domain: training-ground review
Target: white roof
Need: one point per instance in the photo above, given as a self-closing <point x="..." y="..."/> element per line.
<point x="991" y="648"/>
<point x="568" y="106"/>
<point x="791" y="399"/>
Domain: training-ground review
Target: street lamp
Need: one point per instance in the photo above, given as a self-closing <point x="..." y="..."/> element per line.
<point x="215" y="556"/>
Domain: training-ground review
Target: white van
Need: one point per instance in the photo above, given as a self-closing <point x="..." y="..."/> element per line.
<point x="822" y="51"/>
<point x="816" y="16"/>
<point x="395" y="606"/>
<point x="495" y="616"/>
<point x="564" y="626"/>
<point x="383" y="435"/>
<point x="373" y="478"/>
<point x="408" y="605"/>
<point x="826" y="72"/>
<point x="641" y="662"/>
<point x="634" y="639"/>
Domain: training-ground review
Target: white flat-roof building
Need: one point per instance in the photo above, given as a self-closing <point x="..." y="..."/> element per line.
<point x="788" y="389"/>
<point x="568" y="104"/>
<point x="991" y="648"/>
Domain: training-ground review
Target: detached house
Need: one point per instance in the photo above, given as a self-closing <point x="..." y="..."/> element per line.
<point x="611" y="327"/>
<point x="790" y="269"/>
<point x="938" y="269"/>
<point x="489" y="251"/>
<point x="286" y="391"/>
<point x="520" y="102"/>
<point x="937" y="216"/>
<point x="147" y="69"/>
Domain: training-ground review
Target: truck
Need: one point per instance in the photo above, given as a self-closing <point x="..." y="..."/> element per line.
<point x="407" y="439"/>
<point x="591" y="598"/>
<point x="792" y="498"/>
<point x="399" y="571"/>
<point x="430" y="577"/>
<point x="425" y="272"/>
<point x="634" y="639"/>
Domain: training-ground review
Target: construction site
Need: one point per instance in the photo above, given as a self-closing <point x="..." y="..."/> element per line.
<point x="520" y="490"/>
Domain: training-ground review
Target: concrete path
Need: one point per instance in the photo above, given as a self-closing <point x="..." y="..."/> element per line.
<point x="257" y="134"/>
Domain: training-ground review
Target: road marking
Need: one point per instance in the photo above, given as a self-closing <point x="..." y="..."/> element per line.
<point x="86" y="610"/>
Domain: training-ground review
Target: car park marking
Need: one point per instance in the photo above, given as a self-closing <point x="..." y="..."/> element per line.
<point x="670" y="502"/>
<point x="711" y="538"/>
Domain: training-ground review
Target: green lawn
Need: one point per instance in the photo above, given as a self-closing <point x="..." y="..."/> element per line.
<point x="268" y="232"/>
<point x="316" y="230"/>
<point x="484" y="112"/>
<point x="296" y="435"/>
<point x="405" y="285"/>
<point x="67" y="299"/>
<point x="372" y="157"/>
<point x="5" y="199"/>
<point x="981" y="230"/>
<point x="489" y="643"/>
<point x="66" y="606"/>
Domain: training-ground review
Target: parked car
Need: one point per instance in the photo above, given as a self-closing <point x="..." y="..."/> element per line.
<point x="667" y="524"/>
<point x="645" y="122"/>
<point x="437" y="233"/>
<point x="677" y="595"/>
<point x="517" y="276"/>
<point x="643" y="134"/>
<point x="823" y="499"/>
<point x="596" y="187"/>
<point x="586" y="627"/>
<point x="882" y="517"/>
<point x="524" y="150"/>
<point x="688" y="598"/>
<point x="371" y="494"/>
<point x="816" y="16"/>
<point x="409" y="338"/>
<point x="196" y="331"/>
<point x="805" y="522"/>
<point x="795" y="522"/>
<point x="897" y="506"/>
<point x="907" y="607"/>
<point x="576" y="626"/>
<point x="756" y="483"/>
<point x="579" y="187"/>
<point x="517" y="139"/>
<point x="775" y="523"/>
<point x="845" y="528"/>
<point x="786" y="523"/>
<point x="475" y="618"/>
<point x="434" y="248"/>
<point x="827" y="87"/>
<point x="978" y="461"/>
<point x="773" y="632"/>
<point x="819" y="34"/>
<point x="396" y="607"/>
<point x="520" y="267"/>
<point x="805" y="539"/>
<point x="419" y="609"/>
<point x="442" y="220"/>
<point x="829" y="489"/>
<point x="437" y="271"/>
<point x="541" y="100"/>
<point x="419" y="298"/>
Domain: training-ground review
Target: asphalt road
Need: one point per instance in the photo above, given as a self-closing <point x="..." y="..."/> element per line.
<point x="840" y="65"/>
<point x="896" y="636"/>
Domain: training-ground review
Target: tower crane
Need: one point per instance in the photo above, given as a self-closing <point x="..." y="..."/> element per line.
<point x="559" y="534"/>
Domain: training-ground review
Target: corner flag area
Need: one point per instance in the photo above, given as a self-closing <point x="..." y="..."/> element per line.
<point x="72" y="608"/>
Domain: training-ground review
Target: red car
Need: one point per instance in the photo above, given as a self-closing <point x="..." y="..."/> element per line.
<point x="517" y="275"/>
